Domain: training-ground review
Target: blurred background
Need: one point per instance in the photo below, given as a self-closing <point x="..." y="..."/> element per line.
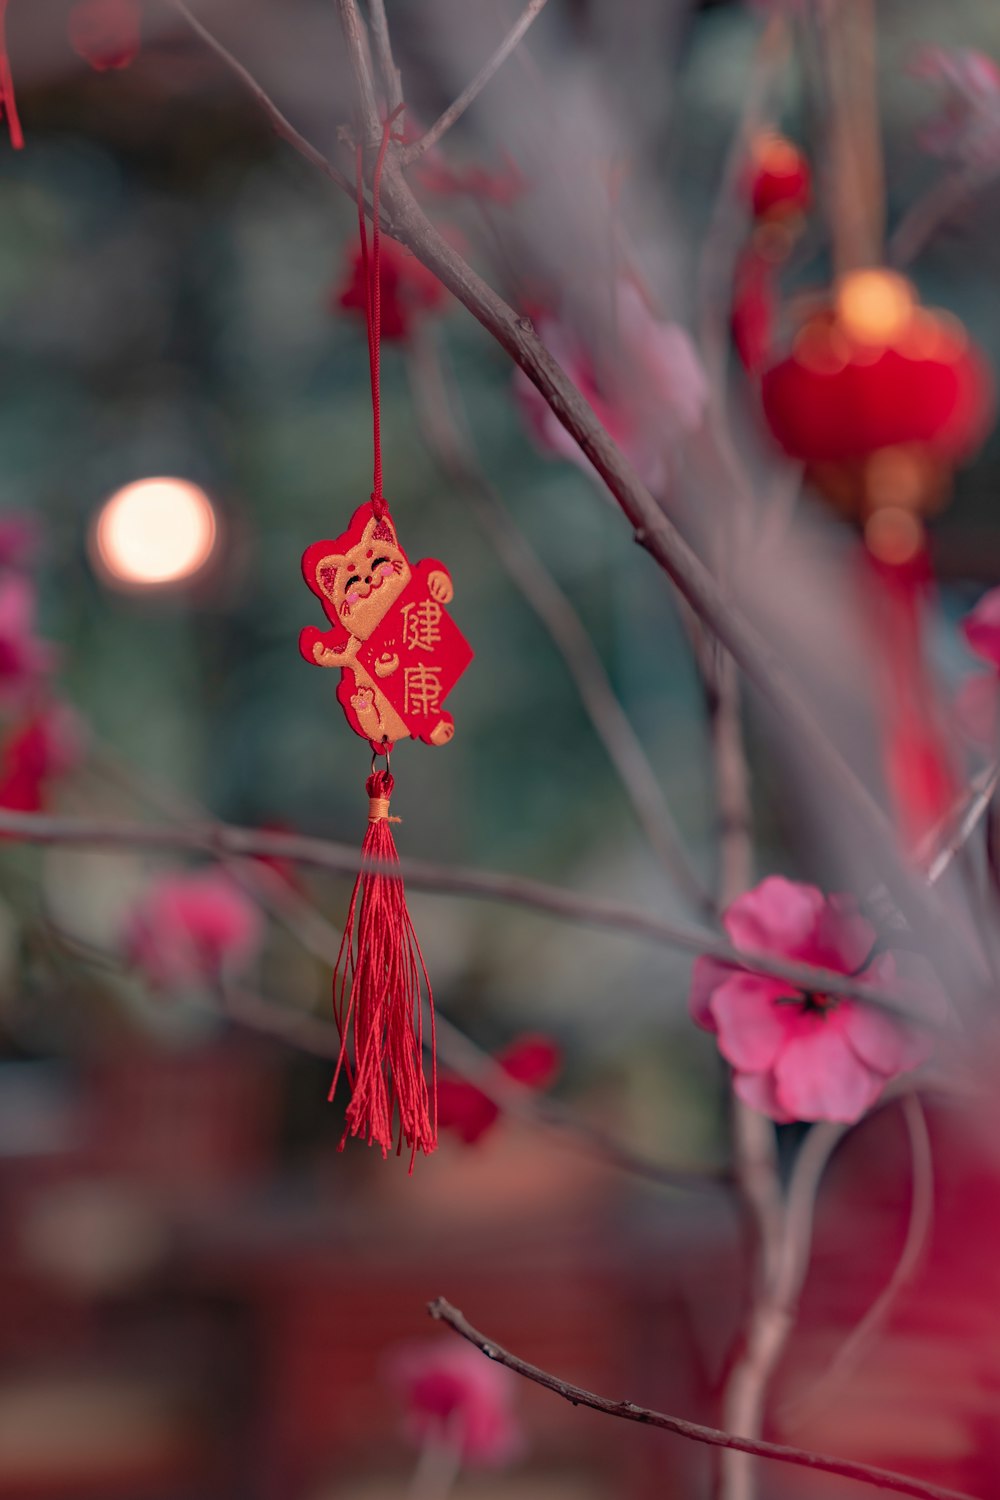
<point x="199" y="1296"/>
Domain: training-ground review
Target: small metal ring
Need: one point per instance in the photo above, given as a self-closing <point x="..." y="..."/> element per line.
<point x="385" y="748"/>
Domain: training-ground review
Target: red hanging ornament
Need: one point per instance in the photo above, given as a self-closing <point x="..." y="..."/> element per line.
<point x="882" y="399"/>
<point x="779" y="182"/>
<point x="400" y="654"/>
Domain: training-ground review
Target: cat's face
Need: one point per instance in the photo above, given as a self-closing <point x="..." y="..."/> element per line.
<point x="363" y="582"/>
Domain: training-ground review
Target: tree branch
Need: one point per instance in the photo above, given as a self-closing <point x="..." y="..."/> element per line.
<point x="221" y="840"/>
<point x="469" y="94"/>
<point x="438" y="415"/>
<point x="845" y="1359"/>
<point x="282" y="125"/>
<point x="391" y="79"/>
<point x="965" y="823"/>
<point x="885" y="1479"/>
<point x="653" y="530"/>
<point x="929" y="213"/>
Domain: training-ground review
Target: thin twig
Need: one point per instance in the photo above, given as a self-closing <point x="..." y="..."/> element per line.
<point x="282" y="125"/>
<point x="845" y="1360"/>
<point x="439" y="414"/>
<point x="977" y="802"/>
<point x="456" y="109"/>
<point x="775" y="1306"/>
<point x="221" y="839"/>
<point x="930" y="213"/>
<point x="391" y="78"/>
<point x="627" y="1411"/>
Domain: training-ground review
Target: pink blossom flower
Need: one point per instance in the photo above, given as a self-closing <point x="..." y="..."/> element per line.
<point x="190" y="928"/>
<point x="452" y="1394"/>
<point x="650" y="389"/>
<point x="800" y="1056"/>
<point x="24" y="659"/>
<point x="967" y="127"/>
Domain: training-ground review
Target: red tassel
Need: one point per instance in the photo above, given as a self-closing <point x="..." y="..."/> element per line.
<point x="376" y="1002"/>
<point x="917" y="757"/>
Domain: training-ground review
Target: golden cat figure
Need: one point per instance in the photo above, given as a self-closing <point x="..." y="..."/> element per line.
<point x="398" y="648"/>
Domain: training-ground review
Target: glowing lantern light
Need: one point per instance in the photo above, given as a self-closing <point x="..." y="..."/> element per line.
<point x="880" y="398"/>
<point x="155" y="532"/>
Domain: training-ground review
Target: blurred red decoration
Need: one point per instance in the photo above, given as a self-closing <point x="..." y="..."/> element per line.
<point x="880" y="397"/>
<point x="106" y="33"/>
<point x="755" y="308"/>
<point x="532" y="1060"/>
<point x="190" y="928"/>
<point x="503" y="186"/>
<point x="8" y="104"/>
<point x="779" y="178"/>
<point x="456" y="1399"/>
<point x="408" y="290"/>
<point x="47" y="745"/>
<point x="24" y="658"/>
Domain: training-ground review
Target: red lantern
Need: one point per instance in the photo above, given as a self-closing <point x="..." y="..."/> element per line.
<point x="880" y="398"/>
<point x="780" y="182"/>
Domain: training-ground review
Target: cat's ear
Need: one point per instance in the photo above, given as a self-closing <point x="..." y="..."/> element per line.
<point x="319" y="568"/>
<point x="380" y="529"/>
<point x="326" y="573"/>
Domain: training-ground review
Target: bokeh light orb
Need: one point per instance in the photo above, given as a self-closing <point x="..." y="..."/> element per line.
<point x="155" y="532"/>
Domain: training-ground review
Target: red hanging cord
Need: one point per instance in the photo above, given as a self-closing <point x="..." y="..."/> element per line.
<point x="373" y="299"/>
<point x="8" y="104"/>
<point x="380" y="974"/>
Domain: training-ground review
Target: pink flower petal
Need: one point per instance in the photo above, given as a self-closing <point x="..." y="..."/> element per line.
<point x="819" y="1076"/>
<point x="883" y="1044"/>
<point x="777" y="916"/>
<point x="750" y="1025"/>
<point x="757" y="1090"/>
<point x="706" y="976"/>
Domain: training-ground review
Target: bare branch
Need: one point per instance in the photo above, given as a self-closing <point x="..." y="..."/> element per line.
<point x="845" y="1359"/>
<point x="931" y="212"/>
<point x="221" y="840"/>
<point x="391" y="79"/>
<point x="282" y="125"/>
<point x="438" y="412"/>
<point x="969" y="816"/>
<point x="627" y="1411"/>
<point x="455" y="110"/>
<point x="653" y="530"/>
<point x="356" y="37"/>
